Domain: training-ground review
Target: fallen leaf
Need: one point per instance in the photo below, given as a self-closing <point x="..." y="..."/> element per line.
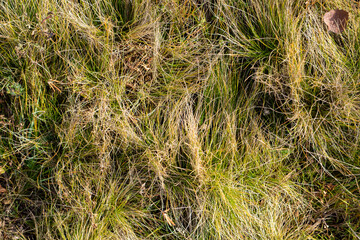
<point x="7" y="202"/>
<point x="336" y="20"/>
<point x="2" y="190"/>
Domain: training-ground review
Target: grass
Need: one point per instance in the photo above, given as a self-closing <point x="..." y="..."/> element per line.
<point x="178" y="120"/>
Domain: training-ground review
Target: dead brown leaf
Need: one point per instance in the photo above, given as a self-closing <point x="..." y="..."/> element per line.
<point x="336" y="20"/>
<point x="2" y="189"/>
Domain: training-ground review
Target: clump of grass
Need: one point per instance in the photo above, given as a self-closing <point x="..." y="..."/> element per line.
<point x="178" y="120"/>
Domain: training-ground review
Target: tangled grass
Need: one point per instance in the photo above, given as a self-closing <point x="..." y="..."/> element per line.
<point x="169" y="119"/>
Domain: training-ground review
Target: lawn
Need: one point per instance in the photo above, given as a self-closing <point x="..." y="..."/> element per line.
<point x="179" y="119"/>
